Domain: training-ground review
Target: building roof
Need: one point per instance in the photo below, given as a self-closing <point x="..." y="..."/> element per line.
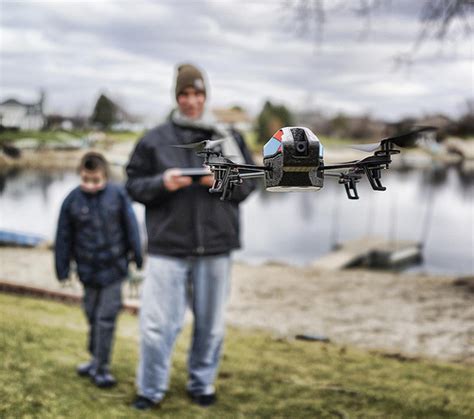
<point x="12" y="101"/>
<point x="231" y="115"/>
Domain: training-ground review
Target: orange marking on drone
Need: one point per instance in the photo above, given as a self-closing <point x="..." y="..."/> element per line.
<point x="278" y="135"/>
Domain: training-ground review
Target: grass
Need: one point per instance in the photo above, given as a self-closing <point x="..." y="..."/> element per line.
<point x="60" y="136"/>
<point x="42" y="136"/>
<point x="260" y="376"/>
<point x="123" y="136"/>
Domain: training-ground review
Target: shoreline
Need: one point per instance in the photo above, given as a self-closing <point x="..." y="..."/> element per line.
<point x="405" y="315"/>
<point x="118" y="153"/>
<point x="53" y="159"/>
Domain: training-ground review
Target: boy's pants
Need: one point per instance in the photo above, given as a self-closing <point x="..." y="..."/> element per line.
<point x="102" y="306"/>
<point x="171" y="284"/>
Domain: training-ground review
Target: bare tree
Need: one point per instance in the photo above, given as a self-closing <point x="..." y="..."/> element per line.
<point x="439" y="19"/>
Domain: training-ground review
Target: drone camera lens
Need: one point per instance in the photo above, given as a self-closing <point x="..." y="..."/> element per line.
<point x="300" y="141"/>
<point x="301" y="147"/>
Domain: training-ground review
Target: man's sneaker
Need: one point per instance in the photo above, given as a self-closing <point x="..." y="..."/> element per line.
<point x="142" y="403"/>
<point x="103" y="379"/>
<point x="203" y="400"/>
<point x="86" y="370"/>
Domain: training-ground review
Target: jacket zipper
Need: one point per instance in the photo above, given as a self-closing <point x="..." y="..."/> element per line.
<point x="196" y="211"/>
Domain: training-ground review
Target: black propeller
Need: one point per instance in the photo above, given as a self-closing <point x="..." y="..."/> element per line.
<point x="200" y="146"/>
<point x="409" y="139"/>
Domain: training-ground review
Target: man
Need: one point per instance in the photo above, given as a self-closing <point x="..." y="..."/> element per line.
<point x="190" y="236"/>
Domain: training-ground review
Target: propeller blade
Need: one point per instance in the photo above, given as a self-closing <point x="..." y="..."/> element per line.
<point x="191" y="145"/>
<point x="213" y="143"/>
<point x="369" y="147"/>
<point x="186" y="146"/>
<point x="200" y="145"/>
<point x="410" y="139"/>
<point x="229" y="159"/>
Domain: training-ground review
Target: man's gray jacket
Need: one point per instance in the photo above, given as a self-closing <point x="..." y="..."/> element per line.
<point x="190" y="221"/>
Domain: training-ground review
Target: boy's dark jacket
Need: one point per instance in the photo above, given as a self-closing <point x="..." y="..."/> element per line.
<point x="100" y="232"/>
<point x="190" y="221"/>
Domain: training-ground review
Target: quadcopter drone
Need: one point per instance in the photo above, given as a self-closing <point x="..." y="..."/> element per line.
<point x="293" y="161"/>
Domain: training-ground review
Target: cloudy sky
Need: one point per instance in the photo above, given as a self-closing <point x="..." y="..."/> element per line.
<point x="251" y="51"/>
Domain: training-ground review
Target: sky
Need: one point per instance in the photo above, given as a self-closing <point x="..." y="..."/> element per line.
<point x="251" y="51"/>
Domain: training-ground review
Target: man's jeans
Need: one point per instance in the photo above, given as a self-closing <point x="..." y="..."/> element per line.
<point x="172" y="284"/>
<point x="102" y="306"/>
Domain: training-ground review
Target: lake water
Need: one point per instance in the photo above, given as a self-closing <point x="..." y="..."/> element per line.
<point x="430" y="206"/>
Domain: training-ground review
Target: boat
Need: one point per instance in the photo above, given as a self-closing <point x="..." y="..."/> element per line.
<point x="14" y="238"/>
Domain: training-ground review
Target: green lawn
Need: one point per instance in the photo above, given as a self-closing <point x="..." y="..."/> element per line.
<point x="260" y="377"/>
<point x="58" y="135"/>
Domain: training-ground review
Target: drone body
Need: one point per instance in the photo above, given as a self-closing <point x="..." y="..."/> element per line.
<point x="294" y="156"/>
<point x="293" y="160"/>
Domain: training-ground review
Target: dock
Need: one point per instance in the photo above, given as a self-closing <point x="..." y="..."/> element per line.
<point x="372" y="252"/>
<point x="15" y="238"/>
<point x="463" y="148"/>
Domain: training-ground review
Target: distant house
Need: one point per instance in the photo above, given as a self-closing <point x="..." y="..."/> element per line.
<point x="314" y="120"/>
<point x="67" y="123"/>
<point x="342" y="125"/>
<point x="436" y="120"/>
<point x="23" y="116"/>
<point x="236" y="117"/>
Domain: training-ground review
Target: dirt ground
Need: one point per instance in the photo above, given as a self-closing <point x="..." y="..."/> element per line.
<point x="401" y="314"/>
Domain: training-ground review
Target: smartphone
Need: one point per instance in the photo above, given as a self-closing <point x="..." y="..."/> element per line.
<point x="195" y="172"/>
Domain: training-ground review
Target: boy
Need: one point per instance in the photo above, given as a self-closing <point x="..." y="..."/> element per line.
<point x="97" y="229"/>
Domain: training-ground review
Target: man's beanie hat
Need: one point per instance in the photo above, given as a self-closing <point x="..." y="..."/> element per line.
<point x="189" y="76"/>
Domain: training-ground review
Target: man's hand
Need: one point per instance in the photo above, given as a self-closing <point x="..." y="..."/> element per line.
<point x="173" y="180"/>
<point x="207" y="181"/>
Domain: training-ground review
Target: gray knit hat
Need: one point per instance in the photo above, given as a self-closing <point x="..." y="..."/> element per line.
<point x="189" y="76"/>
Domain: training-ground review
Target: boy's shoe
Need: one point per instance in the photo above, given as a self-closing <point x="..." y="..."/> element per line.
<point x="86" y="370"/>
<point x="203" y="400"/>
<point x="142" y="403"/>
<point x="103" y="379"/>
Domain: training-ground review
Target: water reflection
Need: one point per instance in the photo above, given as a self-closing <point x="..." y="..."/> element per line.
<point x="429" y="206"/>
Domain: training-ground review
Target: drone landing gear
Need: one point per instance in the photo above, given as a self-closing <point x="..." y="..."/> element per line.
<point x="374" y="175"/>
<point x="350" y="182"/>
<point x="373" y="171"/>
<point x="225" y="180"/>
